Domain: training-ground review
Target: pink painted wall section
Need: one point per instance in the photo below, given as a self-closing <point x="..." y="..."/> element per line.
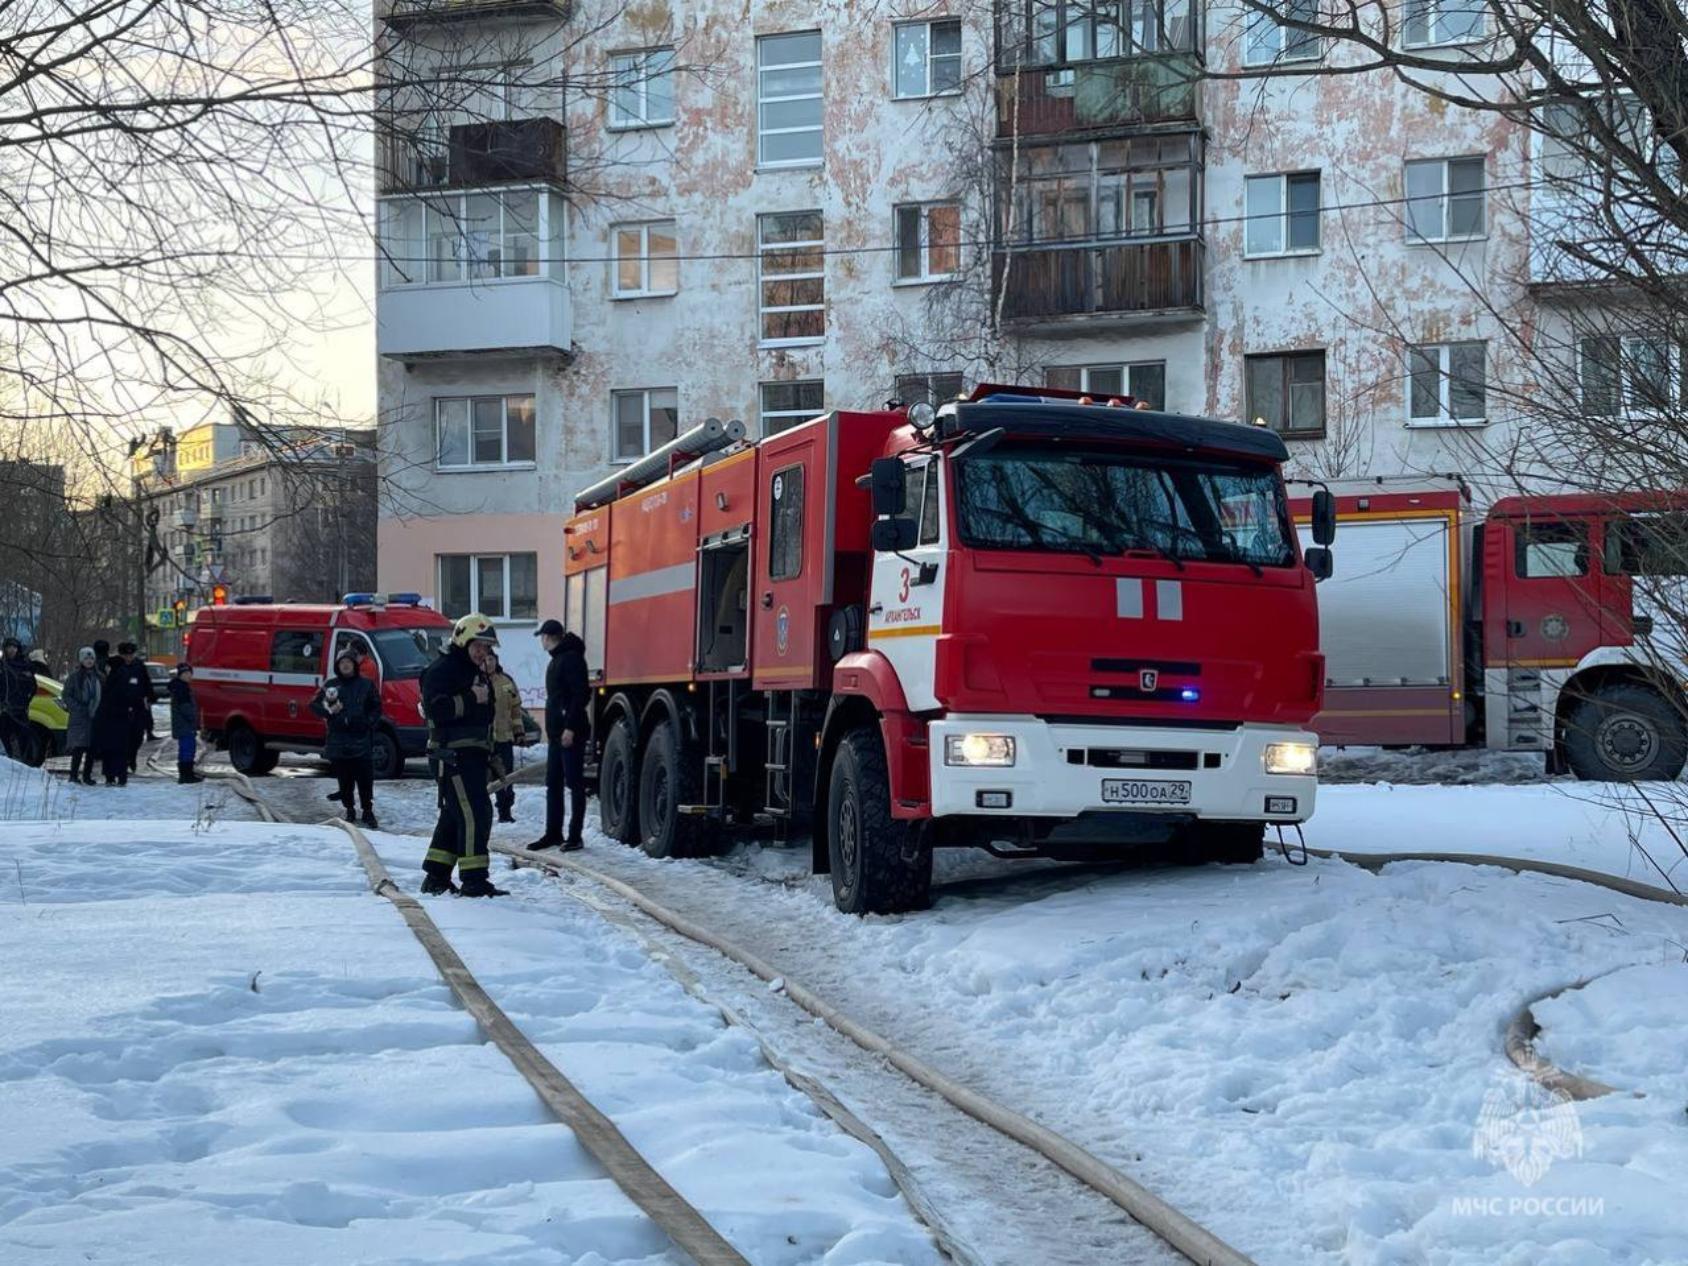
<point x="406" y="549"/>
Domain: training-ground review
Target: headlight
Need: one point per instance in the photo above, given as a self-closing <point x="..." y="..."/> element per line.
<point x="979" y="749"/>
<point x="1291" y="758"/>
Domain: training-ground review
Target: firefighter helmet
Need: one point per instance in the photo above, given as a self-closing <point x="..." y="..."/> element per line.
<point x="473" y="627"/>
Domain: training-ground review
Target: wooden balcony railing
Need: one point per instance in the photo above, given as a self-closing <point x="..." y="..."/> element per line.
<point x="1127" y="282"/>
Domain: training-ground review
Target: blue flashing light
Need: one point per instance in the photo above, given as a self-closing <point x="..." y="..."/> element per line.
<point x="1189" y="694"/>
<point x="381" y="600"/>
<point x="359" y="599"/>
<point x="404" y="599"/>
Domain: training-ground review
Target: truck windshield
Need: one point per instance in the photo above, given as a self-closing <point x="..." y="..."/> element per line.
<point x="1100" y="501"/>
<point x="406" y="652"/>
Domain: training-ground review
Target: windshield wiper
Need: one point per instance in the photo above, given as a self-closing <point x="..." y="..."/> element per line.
<point x="1144" y="543"/>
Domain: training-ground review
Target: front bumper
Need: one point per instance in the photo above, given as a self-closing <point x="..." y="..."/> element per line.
<point x="1229" y="781"/>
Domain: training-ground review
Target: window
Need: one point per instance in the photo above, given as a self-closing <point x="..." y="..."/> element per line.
<point x="792" y="263"/>
<point x="934" y="389"/>
<point x="1055" y="32"/>
<point x="931" y="507"/>
<point x="645" y="260"/>
<point x="928" y="58"/>
<point x="788" y="86"/>
<point x="453" y="238"/>
<point x="295" y="652"/>
<point x="1651" y="545"/>
<point x="1283" y="214"/>
<point x="785" y="404"/>
<point x="1145" y="380"/>
<point x="483" y="431"/>
<point x="1287" y="392"/>
<point x="644" y="421"/>
<point x="1266" y="41"/>
<point x="499" y="586"/>
<point x="1446" y="383"/>
<point x="785" y="536"/>
<point x="1444" y="199"/>
<point x="928" y="242"/>
<point x="1100" y="190"/>
<point x="642" y="94"/>
<point x="1631" y="375"/>
<point x="1550" y="550"/>
<point x="1443" y="22"/>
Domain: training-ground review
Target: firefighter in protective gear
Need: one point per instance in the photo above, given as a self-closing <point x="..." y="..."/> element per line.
<point x="457" y="700"/>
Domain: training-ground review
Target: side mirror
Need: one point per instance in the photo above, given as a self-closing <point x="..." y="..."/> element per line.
<point x="888" y="478"/>
<point x="1324" y="517"/>
<point x="892" y="536"/>
<point x="1320" y="563"/>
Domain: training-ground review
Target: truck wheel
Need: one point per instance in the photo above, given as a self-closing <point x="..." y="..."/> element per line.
<point x="668" y="779"/>
<point x="618" y="785"/>
<point x="1625" y="733"/>
<point x="248" y="754"/>
<point x="870" y="874"/>
<point x="387" y="758"/>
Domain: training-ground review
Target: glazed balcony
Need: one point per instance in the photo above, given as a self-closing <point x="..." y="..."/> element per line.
<point x="1080" y="288"/>
<point x="473" y="155"/>
<point x="397" y="13"/>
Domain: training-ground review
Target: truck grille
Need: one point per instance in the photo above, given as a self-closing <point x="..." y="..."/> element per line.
<point x="1130" y="758"/>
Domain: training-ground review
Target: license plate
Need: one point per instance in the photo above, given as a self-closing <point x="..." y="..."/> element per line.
<point x="1145" y="791"/>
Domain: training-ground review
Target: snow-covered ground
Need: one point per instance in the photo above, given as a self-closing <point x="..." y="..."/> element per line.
<point x="219" y="1047"/>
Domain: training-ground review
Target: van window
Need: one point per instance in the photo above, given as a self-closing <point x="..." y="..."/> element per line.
<point x="785" y="537"/>
<point x="296" y="652"/>
<point x="1550" y="550"/>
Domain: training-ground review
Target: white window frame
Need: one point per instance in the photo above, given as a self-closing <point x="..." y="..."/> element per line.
<point x="1444" y="199"/>
<point x="927" y="276"/>
<point x="1629" y="403"/>
<point x="1259" y="25"/>
<point x="645" y="289"/>
<point x="1444" y="415"/>
<point x="476" y="602"/>
<point x="416" y="256"/>
<point x="1433" y="38"/>
<point x="504" y="439"/>
<point x="643" y="69"/>
<point x="763" y="250"/>
<point x="794" y="416"/>
<point x="762" y="100"/>
<point x="897" y="28"/>
<point x="617" y="457"/>
<point x="1285" y="250"/>
<point x="1122" y="368"/>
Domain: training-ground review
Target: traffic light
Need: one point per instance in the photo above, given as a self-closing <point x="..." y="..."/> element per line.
<point x="180" y="607"/>
<point x="219" y="595"/>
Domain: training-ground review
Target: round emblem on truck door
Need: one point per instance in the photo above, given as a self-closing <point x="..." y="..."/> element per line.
<point x="1555" y="627"/>
<point x="782" y="630"/>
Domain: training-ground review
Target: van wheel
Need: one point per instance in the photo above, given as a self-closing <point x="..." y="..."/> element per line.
<point x="248" y="754"/>
<point x="618" y="784"/>
<point x="1625" y="733"/>
<point x="386" y="756"/>
<point x="669" y="779"/>
<point x="871" y="870"/>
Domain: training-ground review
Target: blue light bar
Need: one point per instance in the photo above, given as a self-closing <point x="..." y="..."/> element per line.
<point x="381" y="600"/>
<point x="1189" y="694"/>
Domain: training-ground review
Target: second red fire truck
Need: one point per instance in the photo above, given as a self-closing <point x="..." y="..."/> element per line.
<point x="1035" y="623"/>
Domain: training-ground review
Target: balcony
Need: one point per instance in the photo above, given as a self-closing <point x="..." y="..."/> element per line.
<point x="473" y="155"/>
<point x="1080" y="289"/>
<point x="1100" y="96"/>
<point x="529" y="315"/>
<point x="398" y="13"/>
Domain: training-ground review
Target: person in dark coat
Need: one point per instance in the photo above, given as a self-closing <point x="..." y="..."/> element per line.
<point x="38" y="663"/>
<point x="506" y="729"/>
<point x="130" y="680"/>
<point x="184" y="722"/>
<point x="113" y="718"/>
<point x="103" y="659"/>
<point x="351" y="706"/>
<point x="18" y="684"/>
<point x="567" y="730"/>
<point x="457" y="700"/>
<point x="81" y="699"/>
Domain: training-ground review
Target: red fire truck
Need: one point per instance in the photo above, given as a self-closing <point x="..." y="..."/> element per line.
<point x="1549" y="624"/>
<point x="1032" y="623"/>
<point x="258" y="663"/>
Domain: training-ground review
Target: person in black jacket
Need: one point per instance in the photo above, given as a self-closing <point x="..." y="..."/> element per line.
<point x="567" y="729"/>
<point x="351" y="705"/>
<point x="18" y="684"/>
<point x="184" y="722"/>
<point x="111" y="733"/>
<point x="457" y="701"/>
<point x="130" y="681"/>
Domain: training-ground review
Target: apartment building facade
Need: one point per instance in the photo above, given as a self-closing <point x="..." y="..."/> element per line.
<point x="602" y="224"/>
